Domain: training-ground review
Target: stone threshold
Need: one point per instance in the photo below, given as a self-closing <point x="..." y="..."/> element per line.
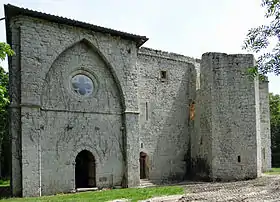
<point x="86" y="189"/>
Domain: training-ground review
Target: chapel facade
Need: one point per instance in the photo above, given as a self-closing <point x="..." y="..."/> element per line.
<point x="91" y="107"/>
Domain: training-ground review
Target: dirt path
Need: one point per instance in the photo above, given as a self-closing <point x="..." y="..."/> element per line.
<point x="266" y="188"/>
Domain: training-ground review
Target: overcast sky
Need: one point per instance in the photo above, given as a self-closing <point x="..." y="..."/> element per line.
<point x="187" y="27"/>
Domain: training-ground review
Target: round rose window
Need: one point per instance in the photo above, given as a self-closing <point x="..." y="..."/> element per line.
<point x="82" y="85"/>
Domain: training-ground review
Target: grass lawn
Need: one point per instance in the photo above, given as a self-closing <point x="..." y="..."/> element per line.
<point x="134" y="194"/>
<point x="274" y="171"/>
<point x="4" y="183"/>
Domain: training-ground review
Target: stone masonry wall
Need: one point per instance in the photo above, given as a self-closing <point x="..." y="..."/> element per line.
<point x="140" y="103"/>
<point x="164" y="112"/>
<point x="44" y="71"/>
<point x="15" y="111"/>
<point x="265" y="126"/>
<point x="233" y="117"/>
<point x="201" y="136"/>
<point x="72" y="123"/>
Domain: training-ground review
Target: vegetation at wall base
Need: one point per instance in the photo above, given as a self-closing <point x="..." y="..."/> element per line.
<point x="4" y="183"/>
<point x="274" y="171"/>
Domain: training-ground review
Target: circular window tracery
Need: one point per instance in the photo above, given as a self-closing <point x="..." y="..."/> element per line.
<point x="82" y="85"/>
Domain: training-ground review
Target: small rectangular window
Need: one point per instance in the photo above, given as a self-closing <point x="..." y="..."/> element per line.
<point x="239" y="159"/>
<point x="147" y="115"/>
<point x="163" y="75"/>
<point x="263" y="153"/>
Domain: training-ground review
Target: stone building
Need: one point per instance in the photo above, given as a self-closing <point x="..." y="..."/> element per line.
<point x="90" y="107"/>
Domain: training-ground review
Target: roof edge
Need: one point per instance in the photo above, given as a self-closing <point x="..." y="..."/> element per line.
<point x="165" y="54"/>
<point x="11" y="10"/>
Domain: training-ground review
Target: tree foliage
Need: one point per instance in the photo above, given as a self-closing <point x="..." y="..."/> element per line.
<point x="4" y="101"/>
<point x="274" y="102"/>
<point x="3" y="89"/>
<point x="258" y="39"/>
<point x="5" y="50"/>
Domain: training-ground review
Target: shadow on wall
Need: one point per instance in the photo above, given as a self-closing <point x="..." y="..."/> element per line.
<point x="197" y="160"/>
<point x="5" y="192"/>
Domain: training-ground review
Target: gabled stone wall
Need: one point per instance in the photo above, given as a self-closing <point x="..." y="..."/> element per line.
<point x="50" y="124"/>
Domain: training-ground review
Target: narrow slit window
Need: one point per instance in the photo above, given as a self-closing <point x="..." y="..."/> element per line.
<point x="147" y="111"/>
<point x="163" y="75"/>
<point x="239" y="159"/>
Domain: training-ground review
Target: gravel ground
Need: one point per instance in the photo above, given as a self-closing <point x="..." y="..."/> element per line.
<point x="265" y="188"/>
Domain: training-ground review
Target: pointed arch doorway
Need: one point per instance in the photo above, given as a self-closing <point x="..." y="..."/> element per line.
<point x="85" y="170"/>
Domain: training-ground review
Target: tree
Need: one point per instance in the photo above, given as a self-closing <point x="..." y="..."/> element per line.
<point x="258" y="39"/>
<point x="5" y="50"/>
<point x="274" y="102"/>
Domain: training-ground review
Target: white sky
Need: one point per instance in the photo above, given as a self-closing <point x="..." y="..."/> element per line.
<point x="187" y="27"/>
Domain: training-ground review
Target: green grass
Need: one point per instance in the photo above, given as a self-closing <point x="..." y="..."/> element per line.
<point x="274" y="171"/>
<point x="134" y="194"/>
<point x="4" y="183"/>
